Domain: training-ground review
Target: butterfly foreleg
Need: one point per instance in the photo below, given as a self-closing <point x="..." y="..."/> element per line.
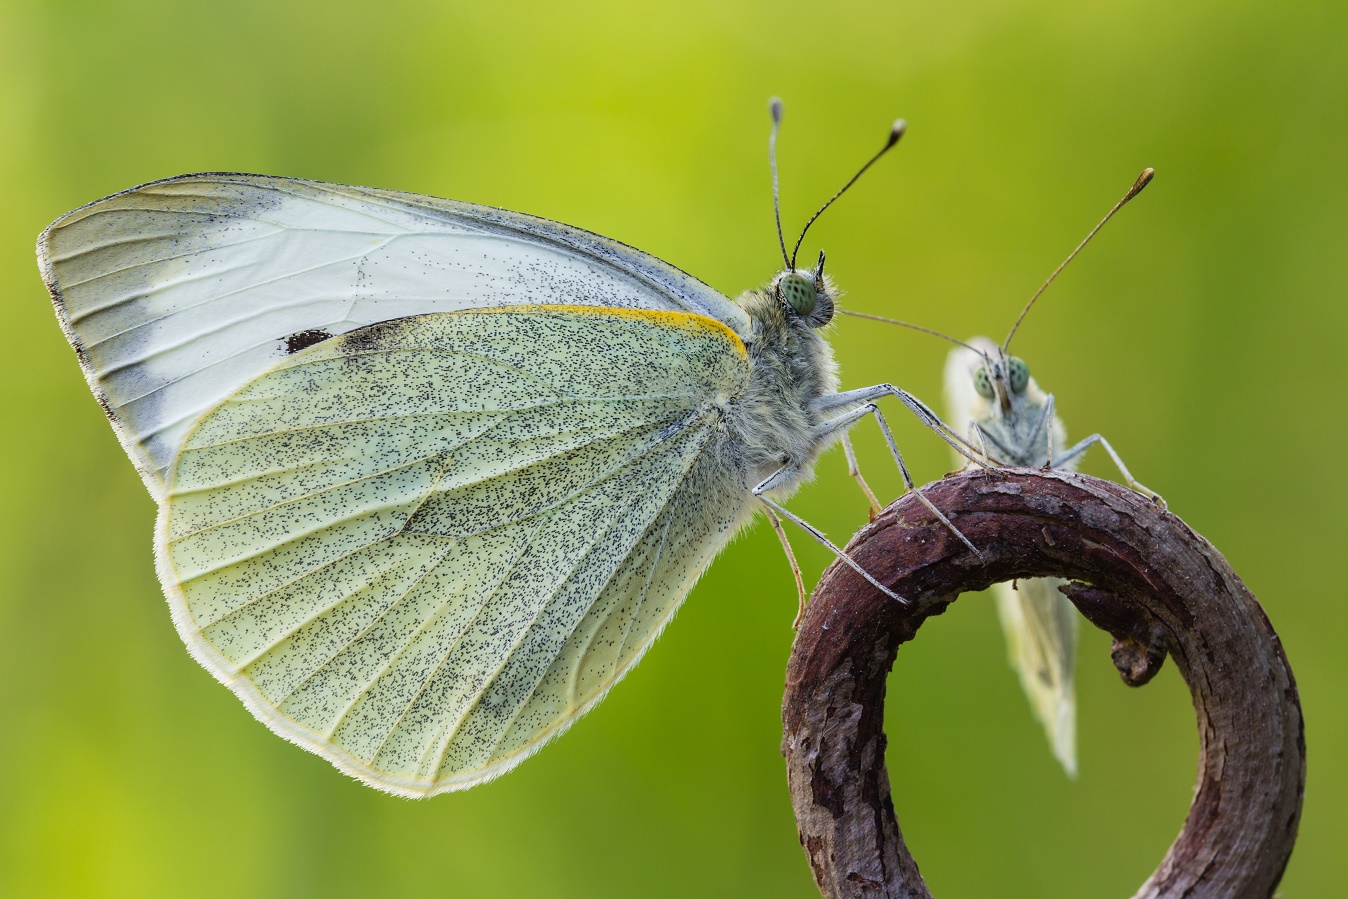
<point x="976" y="433"/>
<point x="854" y="399"/>
<point x="984" y="438"/>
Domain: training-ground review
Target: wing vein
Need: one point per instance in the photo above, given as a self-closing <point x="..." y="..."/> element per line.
<point x="314" y="616"/>
<point x="645" y="587"/>
<point x="220" y="326"/>
<point x="317" y="493"/>
<point x="302" y="535"/>
<point x="331" y="204"/>
<point x="510" y="569"/>
<point x="152" y="262"/>
<point x="452" y="732"/>
<point x="293" y="581"/>
<point x="573" y="680"/>
<point x="443" y="551"/>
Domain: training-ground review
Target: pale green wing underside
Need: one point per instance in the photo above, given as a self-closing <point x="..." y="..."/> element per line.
<point x="423" y="548"/>
<point x="1040" y="623"/>
<point x="1041" y="641"/>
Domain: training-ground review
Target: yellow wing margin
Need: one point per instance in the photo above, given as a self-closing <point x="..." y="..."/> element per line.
<point x="424" y="548"/>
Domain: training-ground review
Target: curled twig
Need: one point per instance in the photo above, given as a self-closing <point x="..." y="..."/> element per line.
<point x="1152" y="582"/>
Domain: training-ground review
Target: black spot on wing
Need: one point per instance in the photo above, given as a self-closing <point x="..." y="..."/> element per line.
<point x="379" y="335"/>
<point x="301" y="340"/>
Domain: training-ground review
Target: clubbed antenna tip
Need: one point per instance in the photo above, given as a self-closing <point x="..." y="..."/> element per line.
<point x="897" y="130"/>
<point x="1142" y="181"/>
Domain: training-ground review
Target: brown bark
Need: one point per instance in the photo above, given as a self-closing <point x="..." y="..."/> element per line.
<point x="1150" y="581"/>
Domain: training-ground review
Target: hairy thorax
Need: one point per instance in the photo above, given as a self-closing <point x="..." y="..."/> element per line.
<point x="790" y="367"/>
<point x="1021" y="437"/>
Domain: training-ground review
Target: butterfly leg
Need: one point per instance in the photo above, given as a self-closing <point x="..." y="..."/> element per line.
<point x="984" y="438"/>
<point x="1045" y="421"/>
<point x="795" y="567"/>
<point x="781" y="476"/>
<point x="847" y="419"/>
<point x="855" y="472"/>
<point x="1076" y="451"/>
<point x="853" y="399"/>
<point x="976" y="433"/>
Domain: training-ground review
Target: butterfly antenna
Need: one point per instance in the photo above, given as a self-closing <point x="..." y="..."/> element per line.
<point x="895" y="132"/>
<point x="775" y="107"/>
<point x="894" y="321"/>
<point x="1142" y="181"/>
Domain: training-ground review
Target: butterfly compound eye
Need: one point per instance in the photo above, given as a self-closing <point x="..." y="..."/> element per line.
<point x="798" y="292"/>
<point x="1019" y="374"/>
<point x="982" y="383"/>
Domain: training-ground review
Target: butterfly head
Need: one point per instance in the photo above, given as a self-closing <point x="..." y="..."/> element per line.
<point x="1002" y="377"/>
<point x="806" y="295"/>
<point x="1001" y="380"/>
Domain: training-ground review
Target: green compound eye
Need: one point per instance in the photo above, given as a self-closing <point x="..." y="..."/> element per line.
<point x="798" y="292"/>
<point x="982" y="383"/>
<point x="1020" y="374"/>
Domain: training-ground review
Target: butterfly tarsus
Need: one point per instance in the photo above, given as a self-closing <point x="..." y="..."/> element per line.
<point x="1045" y="421"/>
<point x="976" y="432"/>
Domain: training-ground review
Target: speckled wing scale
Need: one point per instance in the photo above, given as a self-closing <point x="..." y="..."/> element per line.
<point x="422" y="501"/>
<point x="424" y="583"/>
<point x="176" y="293"/>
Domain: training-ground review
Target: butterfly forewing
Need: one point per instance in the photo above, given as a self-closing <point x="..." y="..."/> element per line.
<point x="177" y="293"/>
<point x="423" y="548"/>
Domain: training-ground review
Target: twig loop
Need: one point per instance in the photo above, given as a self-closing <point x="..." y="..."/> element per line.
<point x="1149" y="580"/>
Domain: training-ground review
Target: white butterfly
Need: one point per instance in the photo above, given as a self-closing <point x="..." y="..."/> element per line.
<point x="431" y="476"/>
<point x="1013" y="421"/>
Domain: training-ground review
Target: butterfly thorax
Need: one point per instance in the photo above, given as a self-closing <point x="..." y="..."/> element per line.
<point x="1019" y="435"/>
<point x="791" y="365"/>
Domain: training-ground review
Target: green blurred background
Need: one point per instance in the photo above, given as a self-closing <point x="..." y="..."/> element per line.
<point x="1202" y="334"/>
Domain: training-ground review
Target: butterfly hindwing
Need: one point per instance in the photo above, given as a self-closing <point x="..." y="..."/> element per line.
<point x="425" y="547"/>
<point x="1041" y="642"/>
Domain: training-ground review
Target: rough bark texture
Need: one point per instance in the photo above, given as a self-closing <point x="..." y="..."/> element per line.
<point x="1152" y="582"/>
